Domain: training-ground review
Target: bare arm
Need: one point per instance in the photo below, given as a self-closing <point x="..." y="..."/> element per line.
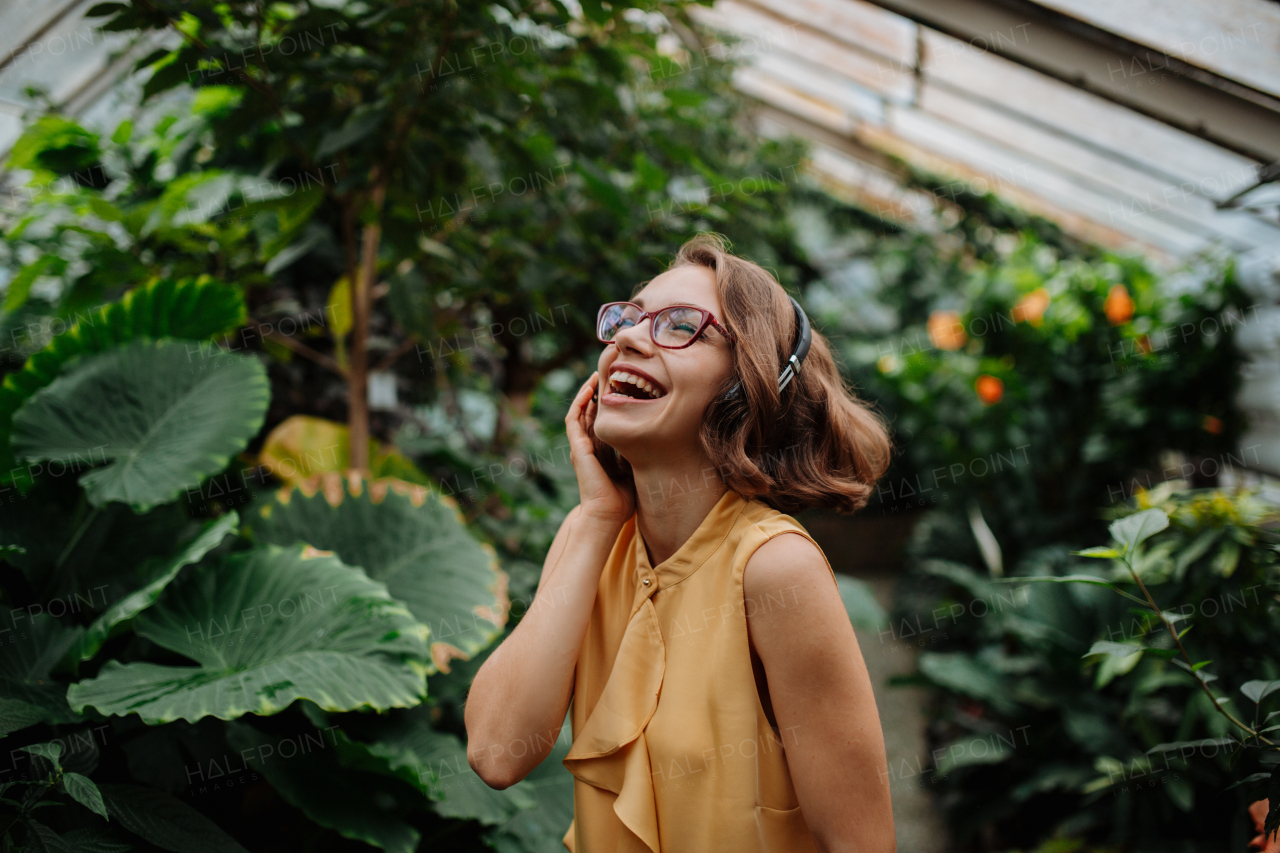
<point x="822" y="698"/>
<point x="517" y="702"/>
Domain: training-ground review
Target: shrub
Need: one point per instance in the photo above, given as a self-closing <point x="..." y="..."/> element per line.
<point x="1036" y="385"/>
<point x="1096" y="724"/>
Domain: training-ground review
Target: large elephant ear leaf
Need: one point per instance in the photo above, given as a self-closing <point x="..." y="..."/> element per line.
<point x="166" y="821"/>
<point x="358" y="804"/>
<point x="529" y="817"/>
<point x="406" y="744"/>
<point x="541" y="828"/>
<point x="27" y="694"/>
<point x="267" y="627"/>
<point x="134" y="602"/>
<point x="408" y="537"/>
<point x="189" y="309"/>
<point x="17" y="714"/>
<point x="163" y="415"/>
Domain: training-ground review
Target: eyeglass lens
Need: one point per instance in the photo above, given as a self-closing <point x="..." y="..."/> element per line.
<point x="672" y="326"/>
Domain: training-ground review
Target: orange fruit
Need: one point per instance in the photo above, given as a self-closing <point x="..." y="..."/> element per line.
<point x="1031" y="308"/>
<point x="990" y="389"/>
<point x="1119" y="305"/>
<point x="946" y="331"/>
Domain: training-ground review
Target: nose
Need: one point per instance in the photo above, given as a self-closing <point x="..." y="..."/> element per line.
<point x="634" y="338"/>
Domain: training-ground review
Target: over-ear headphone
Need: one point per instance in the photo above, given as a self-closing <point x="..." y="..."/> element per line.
<point x="797" y="355"/>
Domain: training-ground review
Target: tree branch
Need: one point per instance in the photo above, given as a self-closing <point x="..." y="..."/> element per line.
<point x="305" y="351"/>
<point x="1178" y="641"/>
<point x="361" y="309"/>
<point x="362" y="286"/>
<point x="394" y="355"/>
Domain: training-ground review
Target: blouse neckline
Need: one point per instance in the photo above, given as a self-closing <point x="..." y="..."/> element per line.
<point x="709" y="535"/>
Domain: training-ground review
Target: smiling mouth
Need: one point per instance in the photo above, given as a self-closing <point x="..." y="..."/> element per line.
<point x="634" y="387"/>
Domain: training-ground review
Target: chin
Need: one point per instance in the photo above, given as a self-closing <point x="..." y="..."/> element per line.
<point x="616" y="435"/>
<point x="625" y="434"/>
<point x="635" y="439"/>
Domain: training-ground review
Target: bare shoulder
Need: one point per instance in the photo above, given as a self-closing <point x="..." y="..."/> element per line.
<point x="796" y="620"/>
<point x="784" y="560"/>
<point x="789" y="593"/>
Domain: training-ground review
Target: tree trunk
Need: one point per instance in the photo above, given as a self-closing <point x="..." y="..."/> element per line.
<point x="361" y="309"/>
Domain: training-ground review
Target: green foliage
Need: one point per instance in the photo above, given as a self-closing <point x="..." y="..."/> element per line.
<point x="46" y="780"/>
<point x="1126" y="710"/>
<point x="168" y="823"/>
<point x="53" y="146"/>
<point x="264" y="625"/>
<point x="31" y="695"/>
<point x="157" y="578"/>
<point x="366" y="806"/>
<point x="410" y="744"/>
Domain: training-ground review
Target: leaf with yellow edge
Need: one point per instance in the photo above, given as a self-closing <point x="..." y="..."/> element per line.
<point x="408" y="537"/>
<point x="302" y="447"/>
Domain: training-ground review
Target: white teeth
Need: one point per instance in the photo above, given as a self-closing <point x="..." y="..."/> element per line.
<point x="615" y="379"/>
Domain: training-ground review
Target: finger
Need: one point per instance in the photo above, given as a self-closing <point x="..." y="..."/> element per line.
<point x="589" y="407"/>
<point x="576" y="422"/>
<point x="589" y="419"/>
<point x="579" y="399"/>
<point x="586" y="391"/>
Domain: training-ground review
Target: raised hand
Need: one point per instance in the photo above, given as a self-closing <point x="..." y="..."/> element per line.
<point x="601" y="499"/>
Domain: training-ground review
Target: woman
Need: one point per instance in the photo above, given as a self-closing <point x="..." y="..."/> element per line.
<point x="720" y="701"/>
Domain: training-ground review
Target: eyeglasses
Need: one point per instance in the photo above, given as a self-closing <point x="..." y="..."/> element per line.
<point x="674" y="327"/>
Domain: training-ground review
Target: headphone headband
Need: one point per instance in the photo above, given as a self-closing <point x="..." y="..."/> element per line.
<point x="792" y="369"/>
<point x="802" y="346"/>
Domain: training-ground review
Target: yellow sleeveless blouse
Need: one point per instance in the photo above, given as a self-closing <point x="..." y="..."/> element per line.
<point x="672" y="750"/>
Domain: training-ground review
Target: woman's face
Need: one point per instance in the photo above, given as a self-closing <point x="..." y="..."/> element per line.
<point x="686" y="380"/>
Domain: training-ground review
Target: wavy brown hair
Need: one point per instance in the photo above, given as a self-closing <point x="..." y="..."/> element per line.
<point x="818" y="445"/>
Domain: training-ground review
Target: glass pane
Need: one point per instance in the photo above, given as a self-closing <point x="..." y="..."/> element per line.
<point x="616" y="318"/>
<point x="676" y="325"/>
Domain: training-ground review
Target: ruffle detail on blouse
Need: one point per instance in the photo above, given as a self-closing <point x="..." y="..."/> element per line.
<point x="610" y="752"/>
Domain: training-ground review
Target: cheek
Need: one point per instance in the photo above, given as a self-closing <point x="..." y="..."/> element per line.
<point x="701" y="382"/>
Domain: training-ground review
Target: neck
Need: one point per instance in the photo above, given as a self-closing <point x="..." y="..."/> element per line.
<point x="673" y="497"/>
